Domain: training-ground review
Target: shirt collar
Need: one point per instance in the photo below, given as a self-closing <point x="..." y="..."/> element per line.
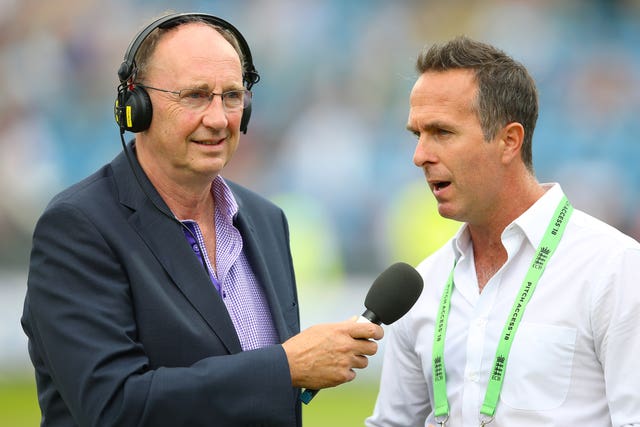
<point x="529" y="223"/>
<point x="535" y="220"/>
<point x="225" y="201"/>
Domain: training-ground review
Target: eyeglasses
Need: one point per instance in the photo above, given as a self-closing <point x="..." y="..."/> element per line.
<point x="200" y="99"/>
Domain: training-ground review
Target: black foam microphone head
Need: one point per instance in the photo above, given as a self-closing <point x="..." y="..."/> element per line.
<point x="394" y="292"/>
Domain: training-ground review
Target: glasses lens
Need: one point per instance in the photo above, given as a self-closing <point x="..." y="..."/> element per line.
<point x="236" y="99"/>
<point x="199" y="99"/>
<point x="194" y="98"/>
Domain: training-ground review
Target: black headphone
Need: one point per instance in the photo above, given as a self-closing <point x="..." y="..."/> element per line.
<point x="133" y="109"/>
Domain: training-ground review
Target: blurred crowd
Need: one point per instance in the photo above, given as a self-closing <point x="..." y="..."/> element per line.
<point x="327" y="138"/>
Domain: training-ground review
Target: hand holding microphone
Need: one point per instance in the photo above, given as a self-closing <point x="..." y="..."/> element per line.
<point x="325" y="355"/>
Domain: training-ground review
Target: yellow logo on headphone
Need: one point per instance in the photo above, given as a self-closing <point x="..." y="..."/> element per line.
<point x="128" y="112"/>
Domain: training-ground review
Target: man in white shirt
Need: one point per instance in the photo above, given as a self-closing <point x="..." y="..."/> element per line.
<point x="530" y="315"/>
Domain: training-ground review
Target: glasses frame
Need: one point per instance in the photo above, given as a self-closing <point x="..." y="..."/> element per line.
<point x="246" y="98"/>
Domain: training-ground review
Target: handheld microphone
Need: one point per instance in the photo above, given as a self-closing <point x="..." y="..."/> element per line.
<point x="390" y="297"/>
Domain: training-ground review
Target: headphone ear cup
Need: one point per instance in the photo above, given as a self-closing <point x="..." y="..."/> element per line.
<point x="244" y="122"/>
<point x="133" y="110"/>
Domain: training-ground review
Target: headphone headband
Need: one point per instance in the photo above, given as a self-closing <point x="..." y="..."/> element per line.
<point x="133" y="107"/>
<point x="249" y="75"/>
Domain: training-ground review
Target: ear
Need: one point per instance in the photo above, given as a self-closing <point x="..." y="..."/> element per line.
<point x="512" y="136"/>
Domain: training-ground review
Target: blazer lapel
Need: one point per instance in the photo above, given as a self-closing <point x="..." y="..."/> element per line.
<point x="254" y="252"/>
<point x="165" y="239"/>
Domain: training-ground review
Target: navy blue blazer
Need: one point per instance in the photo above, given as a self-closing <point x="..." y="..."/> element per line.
<point x="126" y="329"/>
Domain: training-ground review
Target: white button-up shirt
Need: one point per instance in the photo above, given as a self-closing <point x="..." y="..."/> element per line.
<point x="575" y="360"/>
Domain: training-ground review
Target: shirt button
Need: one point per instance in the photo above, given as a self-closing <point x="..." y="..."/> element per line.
<point x="481" y="322"/>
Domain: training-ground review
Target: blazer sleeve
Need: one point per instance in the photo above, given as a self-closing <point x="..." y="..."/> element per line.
<point x="84" y="343"/>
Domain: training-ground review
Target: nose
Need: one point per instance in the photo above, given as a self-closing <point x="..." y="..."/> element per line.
<point x="215" y="116"/>
<point x="424" y="153"/>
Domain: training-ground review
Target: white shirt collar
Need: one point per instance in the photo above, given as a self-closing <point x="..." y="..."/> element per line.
<point x="528" y="223"/>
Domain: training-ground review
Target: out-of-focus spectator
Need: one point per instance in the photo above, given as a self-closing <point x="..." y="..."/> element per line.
<point x="335" y="79"/>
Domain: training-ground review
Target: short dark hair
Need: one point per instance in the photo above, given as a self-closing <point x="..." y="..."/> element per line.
<point x="506" y="91"/>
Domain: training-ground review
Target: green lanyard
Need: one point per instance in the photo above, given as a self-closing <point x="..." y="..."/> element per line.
<point x="544" y="252"/>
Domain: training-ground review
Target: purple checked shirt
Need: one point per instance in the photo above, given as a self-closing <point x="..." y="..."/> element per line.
<point x="238" y="286"/>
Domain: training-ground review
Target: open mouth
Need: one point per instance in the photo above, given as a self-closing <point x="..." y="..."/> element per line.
<point x="439" y="185"/>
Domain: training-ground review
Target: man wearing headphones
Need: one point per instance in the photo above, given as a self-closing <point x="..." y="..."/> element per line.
<point x="160" y="294"/>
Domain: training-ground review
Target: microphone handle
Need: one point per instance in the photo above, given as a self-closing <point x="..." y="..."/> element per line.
<point x="307" y="395"/>
<point x="367" y="316"/>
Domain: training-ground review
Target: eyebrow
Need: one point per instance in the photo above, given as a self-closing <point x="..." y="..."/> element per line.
<point x="205" y="86"/>
<point x="430" y="126"/>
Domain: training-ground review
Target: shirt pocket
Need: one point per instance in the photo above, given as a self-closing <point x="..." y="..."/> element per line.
<point x="538" y="371"/>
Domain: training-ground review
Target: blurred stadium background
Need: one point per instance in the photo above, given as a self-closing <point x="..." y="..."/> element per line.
<point x="327" y="138"/>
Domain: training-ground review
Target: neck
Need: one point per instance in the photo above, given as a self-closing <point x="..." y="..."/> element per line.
<point x="486" y="236"/>
<point x="504" y="209"/>
<point x="185" y="205"/>
<point x="489" y="256"/>
<point x="186" y="195"/>
<point x="185" y="201"/>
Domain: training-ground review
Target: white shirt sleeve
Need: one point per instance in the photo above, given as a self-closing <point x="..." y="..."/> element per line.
<point x="616" y="323"/>
<point x="403" y="396"/>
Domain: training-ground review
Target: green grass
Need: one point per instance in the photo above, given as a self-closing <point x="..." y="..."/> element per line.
<point x="344" y="406"/>
<point x="18" y="403"/>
